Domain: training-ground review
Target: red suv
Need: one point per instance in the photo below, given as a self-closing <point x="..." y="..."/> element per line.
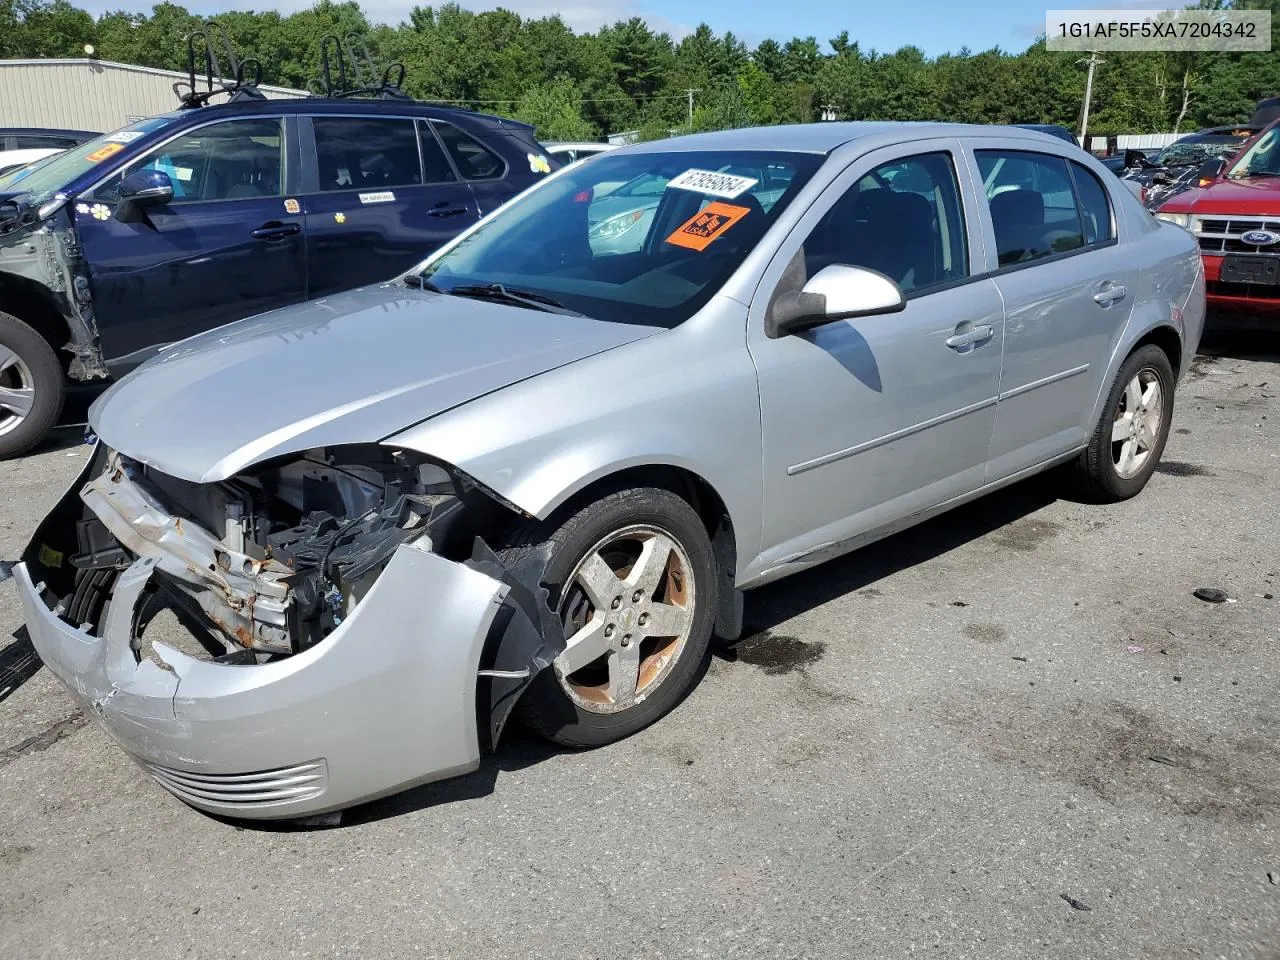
<point x="1235" y="214"/>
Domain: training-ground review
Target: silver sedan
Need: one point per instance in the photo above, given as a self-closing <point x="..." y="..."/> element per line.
<point x="326" y="553"/>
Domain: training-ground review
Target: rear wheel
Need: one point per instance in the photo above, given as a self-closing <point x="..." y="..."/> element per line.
<point x="1130" y="437"/>
<point x="31" y="387"/>
<point x="633" y="578"/>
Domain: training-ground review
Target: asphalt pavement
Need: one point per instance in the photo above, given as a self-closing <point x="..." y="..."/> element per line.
<point x="1012" y="732"/>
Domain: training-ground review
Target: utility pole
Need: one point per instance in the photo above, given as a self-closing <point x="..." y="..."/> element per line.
<point x="690" y="92"/>
<point x="829" y="112"/>
<point x="1093" y="60"/>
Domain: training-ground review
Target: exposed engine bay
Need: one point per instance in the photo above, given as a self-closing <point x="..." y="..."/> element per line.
<point x="267" y="564"/>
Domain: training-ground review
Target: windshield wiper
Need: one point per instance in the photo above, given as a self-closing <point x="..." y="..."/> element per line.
<point x="422" y="283"/>
<point x="522" y="298"/>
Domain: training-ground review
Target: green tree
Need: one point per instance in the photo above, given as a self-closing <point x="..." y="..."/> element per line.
<point x="553" y="108"/>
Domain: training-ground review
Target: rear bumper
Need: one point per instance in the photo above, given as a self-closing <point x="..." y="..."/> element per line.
<point x="384" y="702"/>
<point x="1234" y="297"/>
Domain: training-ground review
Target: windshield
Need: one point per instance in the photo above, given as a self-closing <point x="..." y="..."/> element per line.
<point x="41" y="181"/>
<point x="1188" y="152"/>
<point x="642" y="238"/>
<point x="1262" y="159"/>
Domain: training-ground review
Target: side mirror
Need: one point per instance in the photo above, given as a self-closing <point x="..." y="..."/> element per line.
<point x="142" y="189"/>
<point x="836" y="292"/>
<point x="1209" y="171"/>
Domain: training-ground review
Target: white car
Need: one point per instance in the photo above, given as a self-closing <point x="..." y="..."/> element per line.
<point x="568" y="153"/>
<point x="11" y="160"/>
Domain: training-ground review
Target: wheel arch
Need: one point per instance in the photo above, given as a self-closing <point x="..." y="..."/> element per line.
<point x="1167" y="339"/>
<point x="687" y="482"/>
<point x="32" y="303"/>
<point x="1144" y="328"/>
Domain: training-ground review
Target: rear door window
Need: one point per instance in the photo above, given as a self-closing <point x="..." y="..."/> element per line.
<point x="1033" y="205"/>
<point x="367" y="153"/>
<point x="435" y="164"/>
<point x="473" y="159"/>
<point x="1095" y="209"/>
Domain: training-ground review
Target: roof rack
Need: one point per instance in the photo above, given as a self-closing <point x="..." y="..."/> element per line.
<point x="363" y="79"/>
<point x="243" y="87"/>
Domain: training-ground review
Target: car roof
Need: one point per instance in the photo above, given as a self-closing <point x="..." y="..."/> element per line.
<point x="825" y="137"/>
<point x="46" y="132"/>
<point x="348" y="105"/>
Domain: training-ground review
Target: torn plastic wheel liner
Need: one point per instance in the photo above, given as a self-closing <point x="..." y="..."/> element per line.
<point x="526" y="637"/>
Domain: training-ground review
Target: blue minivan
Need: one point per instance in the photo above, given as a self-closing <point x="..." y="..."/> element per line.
<point x="189" y="220"/>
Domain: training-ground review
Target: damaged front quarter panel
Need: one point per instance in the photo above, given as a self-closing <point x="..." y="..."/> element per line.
<point x="41" y="261"/>
<point x="426" y="643"/>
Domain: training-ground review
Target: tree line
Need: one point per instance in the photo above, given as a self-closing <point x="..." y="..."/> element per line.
<point x="628" y="77"/>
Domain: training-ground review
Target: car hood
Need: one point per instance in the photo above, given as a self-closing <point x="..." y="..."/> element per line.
<point x="353" y="368"/>
<point x="1251" y="195"/>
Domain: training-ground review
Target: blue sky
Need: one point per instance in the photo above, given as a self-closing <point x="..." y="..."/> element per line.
<point x="936" y="26"/>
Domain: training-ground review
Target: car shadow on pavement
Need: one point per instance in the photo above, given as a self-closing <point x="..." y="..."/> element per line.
<point x="777" y="602"/>
<point x="765" y="608"/>
<point x="1241" y="338"/>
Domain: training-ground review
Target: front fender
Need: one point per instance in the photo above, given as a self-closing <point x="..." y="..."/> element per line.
<point x="686" y="398"/>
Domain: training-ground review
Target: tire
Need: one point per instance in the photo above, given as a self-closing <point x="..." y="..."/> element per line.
<point x="1102" y="473"/>
<point x="29" y="365"/>
<point x="582" y="700"/>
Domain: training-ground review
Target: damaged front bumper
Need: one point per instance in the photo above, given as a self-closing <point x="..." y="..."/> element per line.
<point x="385" y="701"/>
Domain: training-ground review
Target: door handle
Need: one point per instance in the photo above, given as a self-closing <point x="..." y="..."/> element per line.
<point x="275" y="230"/>
<point x="971" y="337"/>
<point x="447" y="212"/>
<point x="1110" y="294"/>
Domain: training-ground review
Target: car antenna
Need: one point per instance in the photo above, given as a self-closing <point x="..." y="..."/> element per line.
<point x="246" y="73"/>
<point x="364" y="80"/>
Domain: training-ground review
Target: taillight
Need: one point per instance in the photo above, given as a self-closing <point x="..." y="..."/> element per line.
<point x="1142" y="194"/>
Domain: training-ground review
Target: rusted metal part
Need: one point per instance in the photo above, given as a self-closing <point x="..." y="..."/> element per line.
<point x="245" y="598"/>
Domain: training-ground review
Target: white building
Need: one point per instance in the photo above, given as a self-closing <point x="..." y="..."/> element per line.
<point x="90" y="94"/>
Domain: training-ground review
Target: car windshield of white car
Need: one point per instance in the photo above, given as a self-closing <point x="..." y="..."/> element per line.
<point x="39" y="182"/>
<point x="642" y="238"/>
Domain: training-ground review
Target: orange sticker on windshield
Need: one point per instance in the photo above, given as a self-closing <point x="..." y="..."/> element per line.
<point x="710" y="222"/>
<point x="106" y="150"/>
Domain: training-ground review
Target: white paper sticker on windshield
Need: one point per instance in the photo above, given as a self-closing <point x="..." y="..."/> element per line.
<point x="380" y="196"/>
<point x="726" y="185"/>
<point x="124" y="136"/>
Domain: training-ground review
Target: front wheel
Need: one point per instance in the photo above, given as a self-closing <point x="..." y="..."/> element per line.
<point x="1130" y="436"/>
<point x="632" y="576"/>
<point x="31" y="387"/>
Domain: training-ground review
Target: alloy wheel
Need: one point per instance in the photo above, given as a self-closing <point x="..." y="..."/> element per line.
<point x="628" y="611"/>
<point x="1139" y="418"/>
<point x="17" y="390"/>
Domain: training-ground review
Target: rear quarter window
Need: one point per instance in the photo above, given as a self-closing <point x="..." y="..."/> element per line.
<point x="473" y="159"/>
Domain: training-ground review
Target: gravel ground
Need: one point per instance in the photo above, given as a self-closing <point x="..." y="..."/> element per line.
<point x="1012" y="732"/>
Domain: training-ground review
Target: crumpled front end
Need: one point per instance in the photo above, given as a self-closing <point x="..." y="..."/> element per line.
<point x="290" y="642"/>
<point x="41" y="263"/>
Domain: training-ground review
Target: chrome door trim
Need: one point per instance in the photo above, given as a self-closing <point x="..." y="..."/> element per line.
<point x="866" y="445"/>
<point x="1044" y="381"/>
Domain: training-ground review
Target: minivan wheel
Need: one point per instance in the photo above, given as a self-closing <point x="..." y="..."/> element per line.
<point x="632" y="577"/>
<point x="1130" y="436"/>
<point x="31" y="387"/>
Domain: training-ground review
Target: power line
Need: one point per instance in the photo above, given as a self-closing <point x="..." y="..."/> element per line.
<point x="665" y="96"/>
